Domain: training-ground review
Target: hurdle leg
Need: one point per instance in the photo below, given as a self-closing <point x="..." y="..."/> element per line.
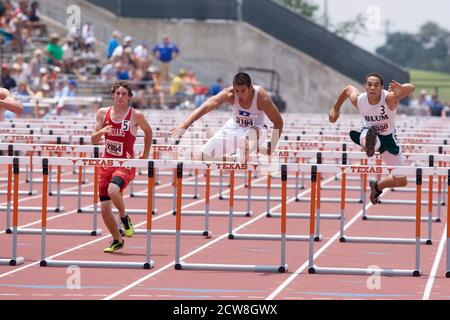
<point x="318" y="186"/>
<point x="342" y="222"/>
<point x="30" y="192"/>
<point x="15" y="260"/>
<point x="249" y="194"/>
<point x="132" y="188"/>
<point x="312" y="215"/>
<point x="58" y="189"/>
<point x="283" y="266"/>
<point x="220" y="186"/>
<point x="44" y="210"/>
<point x="95" y="211"/>
<point x="268" y="213"/>
<point x="430" y="210"/>
<point x="50" y="180"/>
<point x="195" y="184"/>
<point x="418" y="219"/>
<point x="206" y="232"/>
<point x="8" y="200"/>
<point x="440" y="200"/>
<point x="80" y="179"/>
<point x="230" y="215"/>
<point x="174" y="198"/>
<point x="364" y="193"/>
<point x="179" y="187"/>
<point x="150" y="187"/>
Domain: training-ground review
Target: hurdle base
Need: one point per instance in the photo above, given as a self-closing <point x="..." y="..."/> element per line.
<point x="174" y="232"/>
<point x="129" y="211"/>
<point x="12" y="262"/>
<point x="238" y="236"/>
<point x="35" y="209"/>
<point x="331" y="200"/>
<point x="216" y="213"/>
<point x="397" y="218"/>
<point x="253" y="198"/>
<point x="383" y="240"/>
<point x="324" y="216"/>
<point x="230" y="267"/>
<point x="67" y="232"/>
<point x="98" y="264"/>
<point x="364" y="271"/>
<point x="22" y="192"/>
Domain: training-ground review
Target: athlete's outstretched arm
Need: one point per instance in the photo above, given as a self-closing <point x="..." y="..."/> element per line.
<point x="148" y="133"/>
<point x="349" y="92"/>
<point x="9" y="103"/>
<point x="209" y="105"/>
<point x="98" y="128"/>
<point x="274" y="115"/>
<point x="397" y="92"/>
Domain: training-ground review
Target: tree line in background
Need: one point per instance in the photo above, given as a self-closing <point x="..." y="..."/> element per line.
<point x="428" y="49"/>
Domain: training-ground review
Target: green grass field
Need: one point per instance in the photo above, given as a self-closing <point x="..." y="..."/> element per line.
<point x="430" y="80"/>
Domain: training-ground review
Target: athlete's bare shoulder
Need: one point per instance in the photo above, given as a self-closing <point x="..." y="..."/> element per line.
<point x="102" y="111"/>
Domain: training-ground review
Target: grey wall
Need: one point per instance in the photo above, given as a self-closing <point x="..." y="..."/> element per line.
<point x="219" y="48"/>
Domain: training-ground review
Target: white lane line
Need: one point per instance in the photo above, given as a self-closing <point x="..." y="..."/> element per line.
<point x="434" y="269"/>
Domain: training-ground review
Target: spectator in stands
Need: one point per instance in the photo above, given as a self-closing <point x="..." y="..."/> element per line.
<point x="70" y="91"/>
<point x="127" y="43"/>
<point x="108" y="72"/>
<point x="123" y="71"/>
<point x="165" y="52"/>
<point x="142" y="56"/>
<point x="68" y="55"/>
<point x="22" y="93"/>
<point x="87" y="35"/>
<point x="113" y="43"/>
<point x="419" y="106"/>
<point x="436" y="106"/>
<point x="200" y="96"/>
<point x="20" y="68"/>
<point x="54" y="52"/>
<point x="8" y="82"/>
<point x="191" y="83"/>
<point x="177" y="88"/>
<point x="36" y="63"/>
<point x="34" y="21"/>
<point x="216" y="87"/>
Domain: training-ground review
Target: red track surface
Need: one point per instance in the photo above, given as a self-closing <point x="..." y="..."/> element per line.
<point x="30" y="281"/>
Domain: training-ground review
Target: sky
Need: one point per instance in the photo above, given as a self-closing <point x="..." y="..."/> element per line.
<point x="403" y="15"/>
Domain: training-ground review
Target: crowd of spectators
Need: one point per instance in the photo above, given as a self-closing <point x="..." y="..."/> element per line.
<point x="426" y="105"/>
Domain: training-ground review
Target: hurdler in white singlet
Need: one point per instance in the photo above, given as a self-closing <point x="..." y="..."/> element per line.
<point x="377" y="115"/>
<point x="247" y="118"/>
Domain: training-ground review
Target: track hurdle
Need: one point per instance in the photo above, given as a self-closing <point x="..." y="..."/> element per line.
<point x="147" y="264"/>
<point x="283" y="214"/>
<point x="319" y="215"/>
<point x="313" y="269"/>
<point x="181" y="265"/>
<point x="14" y="260"/>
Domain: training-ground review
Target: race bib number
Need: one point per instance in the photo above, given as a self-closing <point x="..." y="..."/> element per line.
<point x="244" y="122"/>
<point x="382" y="127"/>
<point x="115" y="148"/>
<point x="125" y="125"/>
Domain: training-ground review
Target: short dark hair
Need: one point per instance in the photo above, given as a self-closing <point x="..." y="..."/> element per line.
<point x="122" y="83"/>
<point x="374" y="74"/>
<point x="242" y="79"/>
